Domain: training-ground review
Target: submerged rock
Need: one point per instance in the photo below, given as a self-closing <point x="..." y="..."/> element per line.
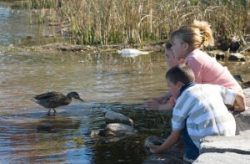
<point x="152" y="140"/>
<point x="173" y="155"/>
<point x="46" y="127"/>
<point x="56" y="124"/>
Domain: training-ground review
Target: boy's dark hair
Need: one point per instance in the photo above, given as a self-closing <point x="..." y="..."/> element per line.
<point x="181" y="73"/>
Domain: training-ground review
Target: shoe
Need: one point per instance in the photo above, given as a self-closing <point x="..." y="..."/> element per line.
<point x="186" y="159"/>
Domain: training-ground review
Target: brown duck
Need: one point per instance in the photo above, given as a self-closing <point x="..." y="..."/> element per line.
<point x="52" y="100"/>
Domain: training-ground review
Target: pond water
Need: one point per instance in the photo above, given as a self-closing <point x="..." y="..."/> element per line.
<point x="104" y="81"/>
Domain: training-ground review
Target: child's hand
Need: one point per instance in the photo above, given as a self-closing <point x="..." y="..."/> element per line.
<point x="154" y="149"/>
<point x="152" y="105"/>
<point x="172" y="101"/>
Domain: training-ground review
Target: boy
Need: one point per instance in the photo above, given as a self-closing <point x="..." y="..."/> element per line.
<point x="199" y="111"/>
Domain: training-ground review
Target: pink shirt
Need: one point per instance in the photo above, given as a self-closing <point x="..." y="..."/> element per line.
<point x="207" y="70"/>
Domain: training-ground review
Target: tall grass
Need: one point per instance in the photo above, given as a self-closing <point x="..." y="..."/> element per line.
<point x="140" y="21"/>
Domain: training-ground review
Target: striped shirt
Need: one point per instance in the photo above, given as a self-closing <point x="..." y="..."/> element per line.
<point x="201" y="108"/>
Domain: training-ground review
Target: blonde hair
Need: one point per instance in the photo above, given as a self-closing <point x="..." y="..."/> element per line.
<point x="197" y="35"/>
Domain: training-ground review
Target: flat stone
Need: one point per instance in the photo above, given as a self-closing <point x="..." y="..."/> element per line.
<point x="222" y="158"/>
<point x="237" y="144"/>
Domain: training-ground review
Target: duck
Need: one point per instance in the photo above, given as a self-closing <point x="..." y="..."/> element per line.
<point x="53" y="99"/>
<point x="131" y="52"/>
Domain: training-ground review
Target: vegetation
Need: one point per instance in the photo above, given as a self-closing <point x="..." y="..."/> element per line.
<point x="140" y="21"/>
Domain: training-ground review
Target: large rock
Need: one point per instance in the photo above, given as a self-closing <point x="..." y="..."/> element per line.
<point x="222" y="144"/>
<point x="223" y="158"/>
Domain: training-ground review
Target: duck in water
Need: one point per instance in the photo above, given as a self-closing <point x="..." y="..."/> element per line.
<point x="52" y="100"/>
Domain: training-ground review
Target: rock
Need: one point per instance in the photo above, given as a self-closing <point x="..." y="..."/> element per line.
<point x="218" y="54"/>
<point x="67" y="47"/>
<point x="56" y="124"/>
<point x="97" y="133"/>
<point x="152" y="140"/>
<point x="114" y="117"/>
<point x="222" y="158"/>
<point x="174" y="155"/>
<point x="236" y="144"/>
<point x="236" y="57"/>
<point x="46" y="127"/>
<point x="246" y="84"/>
<point x="232" y="44"/>
<point x="163" y="159"/>
<point x="113" y="129"/>
<point x="247" y="95"/>
<point x="242" y="121"/>
<point x="117" y="129"/>
<point x="221" y="55"/>
<point x="113" y="132"/>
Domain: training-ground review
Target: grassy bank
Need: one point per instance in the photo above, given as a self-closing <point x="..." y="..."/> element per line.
<point x="118" y="21"/>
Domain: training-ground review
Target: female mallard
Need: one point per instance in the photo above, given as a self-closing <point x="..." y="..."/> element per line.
<point x="52" y="100"/>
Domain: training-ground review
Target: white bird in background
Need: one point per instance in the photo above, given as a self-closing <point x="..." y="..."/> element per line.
<point x="131" y="52"/>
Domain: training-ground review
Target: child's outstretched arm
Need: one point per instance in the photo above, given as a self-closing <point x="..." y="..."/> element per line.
<point x="172" y="139"/>
<point x="240" y="102"/>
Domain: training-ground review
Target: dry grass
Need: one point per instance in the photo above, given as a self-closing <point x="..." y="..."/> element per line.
<point x="130" y="21"/>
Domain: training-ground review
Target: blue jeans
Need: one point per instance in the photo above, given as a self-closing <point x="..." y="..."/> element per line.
<point x="190" y="149"/>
